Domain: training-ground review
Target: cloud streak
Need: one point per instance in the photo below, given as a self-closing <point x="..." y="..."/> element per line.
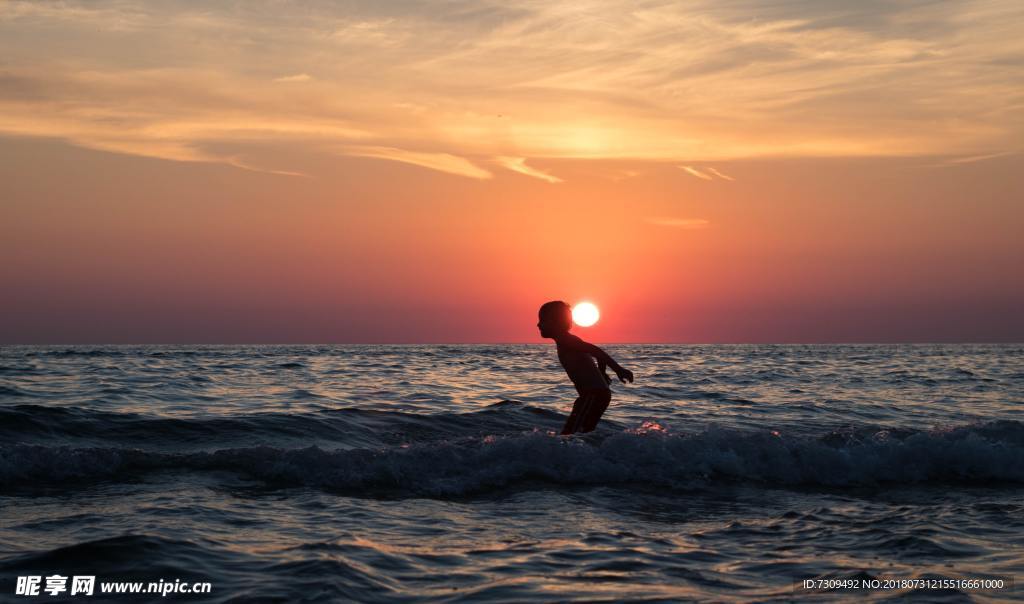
<point x="299" y="77"/>
<point x="518" y="164"/>
<point x="442" y="162"/>
<point x="706" y="173"/>
<point x="974" y="158"/>
<point x="694" y="80"/>
<point x="720" y="175"/>
<point x="695" y="172"/>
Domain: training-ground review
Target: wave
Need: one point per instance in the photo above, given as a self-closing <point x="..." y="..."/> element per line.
<point x="127" y="554"/>
<point x="77" y="352"/>
<point x="976" y="454"/>
<point x="349" y="427"/>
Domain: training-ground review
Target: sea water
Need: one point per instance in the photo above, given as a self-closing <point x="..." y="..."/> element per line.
<point x="435" y="473"/>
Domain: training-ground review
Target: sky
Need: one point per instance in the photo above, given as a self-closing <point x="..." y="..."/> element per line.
<point x="419" y="172"/>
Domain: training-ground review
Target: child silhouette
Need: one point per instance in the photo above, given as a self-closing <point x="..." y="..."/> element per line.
<point x="577" y="358"/>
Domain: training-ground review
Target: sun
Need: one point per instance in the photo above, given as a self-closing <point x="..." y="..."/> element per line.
<point x="585" y="314"/>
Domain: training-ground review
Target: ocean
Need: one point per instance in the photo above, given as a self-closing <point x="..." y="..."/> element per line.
<point x="434" y="473"/>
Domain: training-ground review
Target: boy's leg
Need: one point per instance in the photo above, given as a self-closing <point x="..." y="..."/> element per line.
<point x="599" y="400"/>
<point x="586" y="411"/>
<point x="572" y="423"/>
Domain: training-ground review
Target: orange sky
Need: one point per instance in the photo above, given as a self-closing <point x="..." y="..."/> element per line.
<point x="704" y="172"/>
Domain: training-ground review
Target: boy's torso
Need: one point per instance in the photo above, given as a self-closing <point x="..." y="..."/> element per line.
<point x="581" y="368"/>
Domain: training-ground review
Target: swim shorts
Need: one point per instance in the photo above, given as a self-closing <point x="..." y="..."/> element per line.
<point x="587" y="410"/>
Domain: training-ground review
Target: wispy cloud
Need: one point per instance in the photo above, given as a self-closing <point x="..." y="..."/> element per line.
<point x="680" y="223"/>
<point x="970" y="159"/>
<point x="240" y="163"/>
<point x="696" y="172"/>
<point x="108" y="15"/>
<point x="706" y="173"/>
<point x="299" y="77"/>
<point x="720" y="175"/>
<point x="443" y="162"/>
<point x="674" y="81"/>
<point x="518" y="164"/>
<point x="145" y="113"/>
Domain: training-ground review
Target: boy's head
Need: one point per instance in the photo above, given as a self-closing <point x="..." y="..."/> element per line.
<point x="555" y="318"/>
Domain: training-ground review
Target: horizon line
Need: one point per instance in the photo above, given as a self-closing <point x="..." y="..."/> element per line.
<point x="530" y="343"/>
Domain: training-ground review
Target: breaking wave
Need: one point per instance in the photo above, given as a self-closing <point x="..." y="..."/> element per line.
<point x="983" y="452"/>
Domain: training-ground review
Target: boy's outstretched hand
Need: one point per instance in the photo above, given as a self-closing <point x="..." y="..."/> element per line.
<point x="625" y="375"/>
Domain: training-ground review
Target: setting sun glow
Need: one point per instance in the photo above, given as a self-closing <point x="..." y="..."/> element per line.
<point x="585" y="314"/>
<point x="218" y="182"/>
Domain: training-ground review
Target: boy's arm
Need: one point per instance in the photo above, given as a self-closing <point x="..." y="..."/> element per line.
<point x="603" y="358"/>
<point x="602" y="367"/>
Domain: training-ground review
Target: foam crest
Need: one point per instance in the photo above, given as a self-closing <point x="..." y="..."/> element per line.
<point x="987" y="452"/>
